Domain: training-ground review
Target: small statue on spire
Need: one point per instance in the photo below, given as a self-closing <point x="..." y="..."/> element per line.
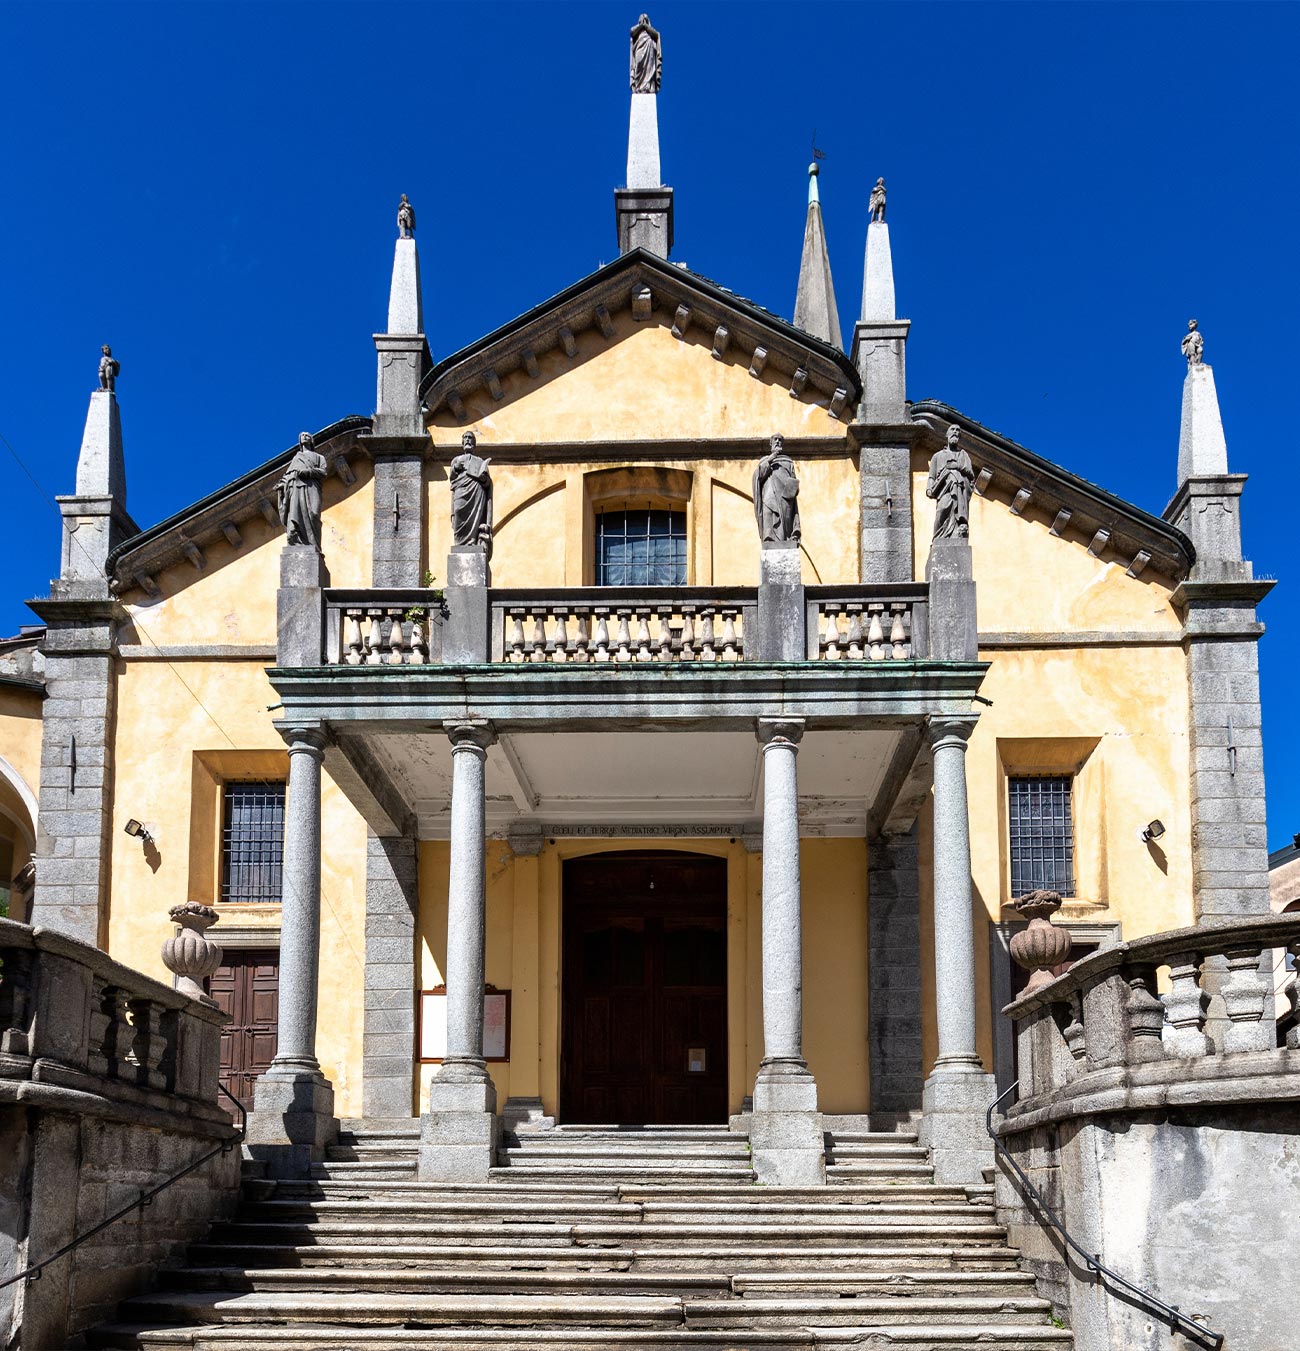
<point x="1193" y="345"/>
<point x="405" y="219"/>
<point x="877" y="203"/>
<point x="109" y="367"/>
<point x="647" y="57"/>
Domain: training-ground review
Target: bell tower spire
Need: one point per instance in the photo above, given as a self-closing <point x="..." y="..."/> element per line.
<point x="644" y="208"/>
<point x="814" y="305"/>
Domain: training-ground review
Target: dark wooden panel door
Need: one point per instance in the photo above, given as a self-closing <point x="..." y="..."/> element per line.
<point x="247" y="986"/>
<point x="644" y="990"/>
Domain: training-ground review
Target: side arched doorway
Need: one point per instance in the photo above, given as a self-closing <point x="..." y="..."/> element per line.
<point x="17" y="842"/>
<point x="643" y="1034"/>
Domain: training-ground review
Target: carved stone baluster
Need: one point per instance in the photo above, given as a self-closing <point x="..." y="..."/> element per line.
<point x="898" y="633"/>
<point x="515" y="643"/>
<point x="539" y="635"/>
<point x="419" y="651"/>
<point x="602" y="633"/>
<point x="664" y="640"/>
<point x="686" y="652"/>
<point x="876" y="632"/>
<point x="582" y="640"/>
<point x="829" y="631"/>
<point x="1247" y="996"/>
<point x="852" y="643"/>
<point x="624" y="639"/>
<point x="643" y="652"/>
<point x="396" y="647"/>
<point x="148" y="1044"/>
<point x="563" y="646"/>
<point x="1073" y="1030"/>
<point x="375" y="640"/>
<point x="1293" y="1036"/>
<point x="708" y="636"/>
<point x="555" y="641"/>
<point x="1146" y="1015"/>
<point x="1185" y="1006"/>
<point x="729" y="652"/>
<point x="352" y="637"/>
<point x="101" y="1022"/>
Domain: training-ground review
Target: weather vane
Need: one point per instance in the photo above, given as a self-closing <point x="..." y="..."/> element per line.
<point x="816" y="154"/>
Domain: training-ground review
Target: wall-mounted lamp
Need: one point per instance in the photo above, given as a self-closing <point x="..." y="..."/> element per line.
<point x="1153" y="831"/>
<point x="136" y="829"/>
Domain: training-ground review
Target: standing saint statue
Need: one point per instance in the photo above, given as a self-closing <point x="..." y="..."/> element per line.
<point x="952" y="478"/>
<point x="405" y="219"/>
<point x="299" y="493"/>
<point x="776" y="496"/>
<point x="877" y="203"/>
<point x="1193" y="345"/>
<point x="108" y="368"/>
<point x="647" y="58"/>
<point x="471" y="497"/>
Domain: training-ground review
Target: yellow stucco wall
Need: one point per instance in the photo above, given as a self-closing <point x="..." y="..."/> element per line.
<point x="20" y="735"/>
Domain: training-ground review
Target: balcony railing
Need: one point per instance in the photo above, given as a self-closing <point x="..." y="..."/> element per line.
<point x="593" y="625"/>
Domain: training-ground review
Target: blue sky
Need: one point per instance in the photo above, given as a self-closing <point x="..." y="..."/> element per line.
<point x="211" y="189"/>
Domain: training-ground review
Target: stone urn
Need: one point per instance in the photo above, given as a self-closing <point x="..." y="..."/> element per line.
<point x="1043" y="945"/>
<point x="191" y="954"/>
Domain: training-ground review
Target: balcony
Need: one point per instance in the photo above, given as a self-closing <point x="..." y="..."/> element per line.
<point x="580" y="626"/>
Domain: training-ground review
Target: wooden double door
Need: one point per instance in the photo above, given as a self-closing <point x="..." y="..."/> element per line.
<point x="247" y="986"/>
<point x="644" y="989"/>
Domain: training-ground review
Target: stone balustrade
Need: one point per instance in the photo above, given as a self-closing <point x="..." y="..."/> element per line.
<point x="1159" y="1117"/>
<point x="594" y="625"/>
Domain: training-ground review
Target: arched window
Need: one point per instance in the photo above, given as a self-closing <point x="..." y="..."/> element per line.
<point x="641" y="548"/>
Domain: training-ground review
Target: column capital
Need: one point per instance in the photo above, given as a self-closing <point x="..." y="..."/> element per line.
<point x="779" y="731"/>
<point x="470" y="733"/>
<point x="308" y="739"/>
<point x="947" y="729"/>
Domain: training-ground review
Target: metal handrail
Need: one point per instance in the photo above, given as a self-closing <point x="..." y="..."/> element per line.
<point x="1198" y="1333"/>
<point x="144" y="1199"/>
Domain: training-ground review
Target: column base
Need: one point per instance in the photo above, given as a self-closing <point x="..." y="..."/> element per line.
<point x="460" y="1132"/>
<point x="953" y="1106"/>
<point x="292" y="1121"/>
<point x="786" y="1138"/>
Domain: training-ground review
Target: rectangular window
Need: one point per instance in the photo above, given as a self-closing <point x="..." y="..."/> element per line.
<point x="252" y="841"/>
<point x="1042" y="835"/>
<point x="641" y="548"/>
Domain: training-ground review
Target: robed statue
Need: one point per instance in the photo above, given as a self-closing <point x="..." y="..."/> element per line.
<point x="109" y="367"/>
<point x="405" y="219"/>
<point x="299" y="491"/>
<point x="471" y="497"/>
<point x="950" y="484"/>
<point x="877" y="203"/>
<point x="776" y="496"/>
<point x="647" y="58"/>
<point x="1193" y="345"/>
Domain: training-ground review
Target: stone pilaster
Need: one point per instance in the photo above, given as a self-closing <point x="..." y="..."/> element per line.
<point x="75" y="821"/>
<point x="894" y="974"/>
<point x="293" y="1102"/>
<point x="465" y="638"/>
<point x="785" y="1129"/>
<point x="389" y="1031"/>
<point x="398" y="527"/>
<point x="781" y="618"/>
<point x="885" y="509"/>
<point x="958" y="1091"/>
<point x="459" y="1133"/>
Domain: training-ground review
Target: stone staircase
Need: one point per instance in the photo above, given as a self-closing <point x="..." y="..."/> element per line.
<point x="599" y="1239"/>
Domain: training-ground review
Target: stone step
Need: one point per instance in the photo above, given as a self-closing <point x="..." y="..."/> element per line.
<point x="911" y="1153"/>
<point x="574" y="1148"/>
<point x="377" y="1153"/>
<point x="895" y="1233"/>
<point x="380" y="1172"/>
<point x="834" y="1136"/>
<point x="862" y="1168"/>
<point x="641" y="1173"/>
<point x="870" y="1309"/>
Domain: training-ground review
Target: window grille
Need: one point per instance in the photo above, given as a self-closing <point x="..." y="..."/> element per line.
<point x="252" y="841"/>
<point x="1042" y="836"/>
<point x="641" y="548"/>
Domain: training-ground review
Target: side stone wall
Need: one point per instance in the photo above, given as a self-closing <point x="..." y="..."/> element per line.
<point x="894" y="975"/>
<point x="392" y="903"/>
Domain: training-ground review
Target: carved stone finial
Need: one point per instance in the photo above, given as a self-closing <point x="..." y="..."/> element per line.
<point x="1193" y="345"/>
<point x="952" y="478"/>
<point x="471" y="496"/>
<point x="299" y="493"/>
<point x="191" y="955"/>
<point x="776" y="496"/>
<point x="1043" y="944"/>
<point x="878" y="200"/>
<point x="647" y="58"/>
<point x="109" y="368"/>
<point x="405" y="219"/>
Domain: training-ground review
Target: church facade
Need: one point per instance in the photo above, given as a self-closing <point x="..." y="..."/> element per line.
<point x="647" y="715"/>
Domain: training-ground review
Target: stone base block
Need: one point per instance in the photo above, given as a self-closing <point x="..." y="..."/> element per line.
<point x="465" y="638"/>
<point x="292" y="1122"/>
<point x="786" y="1135"/>
<point x="780" y="635"/>
<point x="460" y="1132"/>
<point x="953" y="1106"/>
<point x="948" y="571"/>
<point x="785" y="1093"/>
<point x="525" y="1115"/>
